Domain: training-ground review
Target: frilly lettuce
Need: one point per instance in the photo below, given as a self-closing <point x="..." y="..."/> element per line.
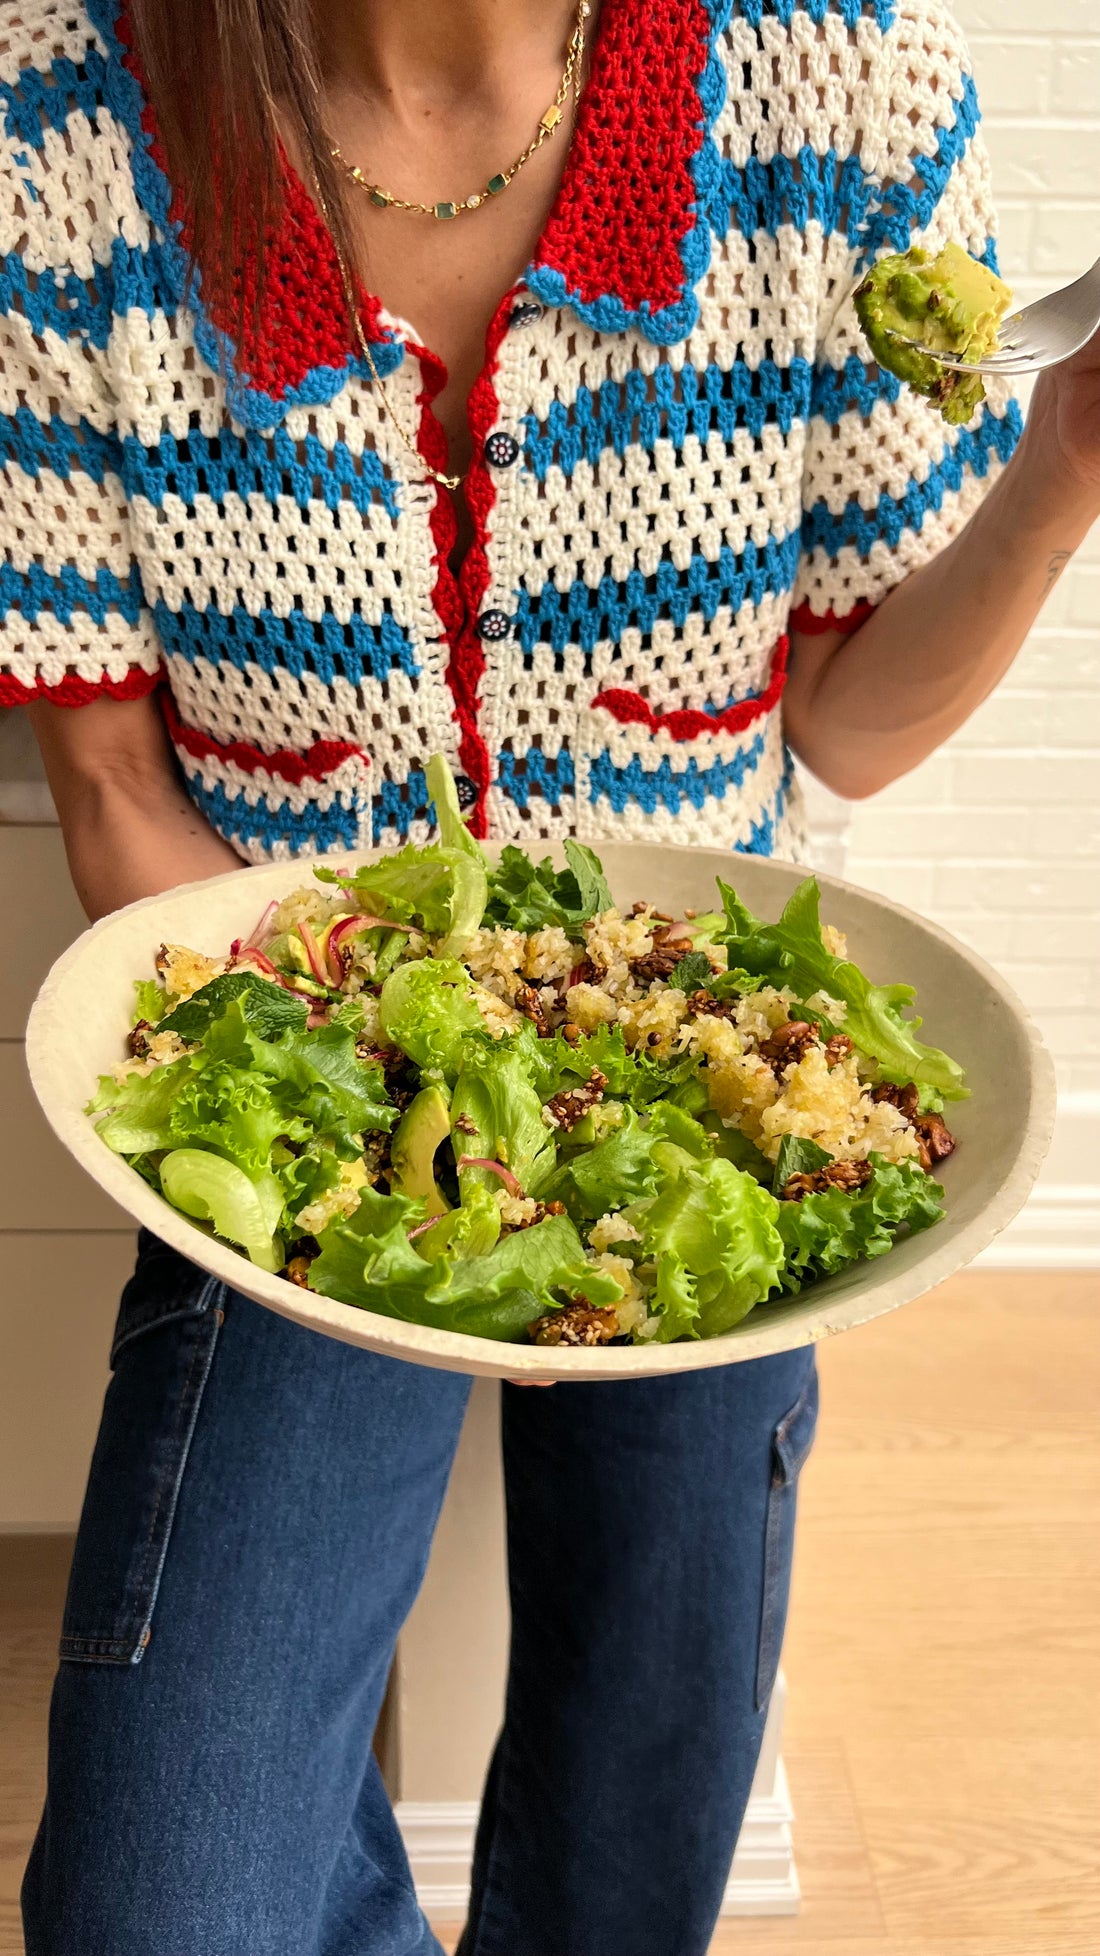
<point x="440" y="886"/>
<point x="369" y="1260"/>
<point x="826" y="1231"/>
<point x="429" y="1010"/>
<point x="529" y="896"/>
<point x="712" y="1232"/>
<point x="792" y="952"/>
<point x="497" y="1115"/>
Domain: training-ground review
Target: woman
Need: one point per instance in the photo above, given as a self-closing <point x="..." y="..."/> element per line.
<point x="600" y="466"/>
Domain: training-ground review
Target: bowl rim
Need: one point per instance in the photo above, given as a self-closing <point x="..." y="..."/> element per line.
<point x="460" y="1351"/>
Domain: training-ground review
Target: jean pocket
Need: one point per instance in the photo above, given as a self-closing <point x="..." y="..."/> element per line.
<point x="168" y="1324"/>
<point x="791" y="1443"/>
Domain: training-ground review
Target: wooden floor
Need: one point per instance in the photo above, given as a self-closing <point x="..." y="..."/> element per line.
<point x="944" y="1651"/>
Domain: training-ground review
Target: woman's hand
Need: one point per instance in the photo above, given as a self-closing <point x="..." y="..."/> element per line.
<point x="1063" y="423"/>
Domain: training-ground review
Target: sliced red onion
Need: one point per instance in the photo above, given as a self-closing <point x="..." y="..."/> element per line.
<point x="576" y="977"/>
<point x="421" y="1227"/>
<point x="256" y="936"/>
<point x="250" y="955"/>
<point x="316" y="1019"/>
<point x="313" y="952"/>
<point x="363" y="920"/>
<point x="495" y="1168"/>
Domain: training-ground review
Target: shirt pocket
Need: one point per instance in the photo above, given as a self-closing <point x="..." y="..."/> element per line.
<point x="167" y="1329"/>
<point x="791" y="1443"/>
<point x="710" y="779"/>
<point x="279" y="804"/>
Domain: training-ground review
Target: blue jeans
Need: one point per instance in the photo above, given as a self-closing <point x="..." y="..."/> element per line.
<point x="257" y="1522"/>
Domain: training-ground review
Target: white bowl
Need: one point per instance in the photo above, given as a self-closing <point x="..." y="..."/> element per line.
<point x="79" y="1021"/>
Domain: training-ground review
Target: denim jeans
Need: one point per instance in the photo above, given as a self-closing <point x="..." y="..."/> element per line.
<point x="258" y="1518"/>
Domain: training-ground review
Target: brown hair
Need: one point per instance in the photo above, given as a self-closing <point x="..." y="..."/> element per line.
<point x="229" y="81"/>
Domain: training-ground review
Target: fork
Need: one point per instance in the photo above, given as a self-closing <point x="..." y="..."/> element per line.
<point x="1040" y="335"/>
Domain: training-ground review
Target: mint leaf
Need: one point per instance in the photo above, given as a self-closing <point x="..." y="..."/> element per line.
<point x="692" y="973"/>
<point x="797" y="1156"/>
<point x="266" y="1007"/>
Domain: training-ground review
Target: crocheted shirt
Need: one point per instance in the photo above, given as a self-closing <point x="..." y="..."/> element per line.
<point x="681" y="449"/>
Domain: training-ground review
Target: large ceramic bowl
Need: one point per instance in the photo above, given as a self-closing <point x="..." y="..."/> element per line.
<point x="79" y="1021"/>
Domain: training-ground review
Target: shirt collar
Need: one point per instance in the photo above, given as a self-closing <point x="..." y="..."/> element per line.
<point x="625" y="246"/>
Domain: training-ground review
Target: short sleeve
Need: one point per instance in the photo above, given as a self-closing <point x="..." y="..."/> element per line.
<point x="887" y="482"/>
<point x="73" y="625"/>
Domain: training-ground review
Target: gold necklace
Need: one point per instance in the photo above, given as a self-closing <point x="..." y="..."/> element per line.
<point x="548" y="122"/>
<point x="570" y="79"/>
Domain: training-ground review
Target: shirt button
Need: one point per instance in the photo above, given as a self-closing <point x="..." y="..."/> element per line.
<point x="465" y="790"/>
<point x="494" y="625"/>
<point x="525" y="314"/>
<point x="501" y="449"/>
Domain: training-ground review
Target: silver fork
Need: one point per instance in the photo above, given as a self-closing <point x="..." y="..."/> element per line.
<point x="1040" y="335"/>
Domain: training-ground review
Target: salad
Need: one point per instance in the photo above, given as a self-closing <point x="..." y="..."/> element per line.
<point x="478" y="1096"/>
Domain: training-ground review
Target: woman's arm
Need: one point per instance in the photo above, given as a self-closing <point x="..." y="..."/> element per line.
<point x="863" y="709"/>
<point x="128" y="825"/>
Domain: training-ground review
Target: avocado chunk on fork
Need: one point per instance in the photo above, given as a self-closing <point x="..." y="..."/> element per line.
<point x="914" y="305"/>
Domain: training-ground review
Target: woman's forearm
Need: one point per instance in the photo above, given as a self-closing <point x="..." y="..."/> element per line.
<point x="865" y="709"/>
<point x="121" y="848"/>
<point x="130" y="829"/>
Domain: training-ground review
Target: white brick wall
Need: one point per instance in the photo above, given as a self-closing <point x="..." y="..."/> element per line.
<point x="998" y="835"/>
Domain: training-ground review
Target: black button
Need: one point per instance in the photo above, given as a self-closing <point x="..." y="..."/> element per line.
<point x="525" y="314"/>
<point x="494" y="625"/>
<point x="465" y="790"/>
<point x="501" y="449"/>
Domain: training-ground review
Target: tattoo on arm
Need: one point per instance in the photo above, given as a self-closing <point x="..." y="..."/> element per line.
<point x="1056" y="566"/>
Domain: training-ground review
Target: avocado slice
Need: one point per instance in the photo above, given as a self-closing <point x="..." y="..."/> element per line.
<point x="950" y="303"/>
<point x="425" y="1123"/>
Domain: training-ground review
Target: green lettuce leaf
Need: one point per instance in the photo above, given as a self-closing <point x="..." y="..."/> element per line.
<point x="441" y="890"/>
<point x="712" y="1231"/>
<point x="529" y="896"/>
<point x="231" y="1112"/>
<point x="137" y="1111"/>
<point x="468" y="1231"/>
<point x="792" y="952"/>
<point x="369" y="1261"/>
<point x="732" y="1145"/>
<point x="665" y="1121"/>
<point x="453" y="832"/>
<point x="617" y="1170"/>
<point x="636" y="1077"/>
<point x="494" y="1097"/>
<point x="429" y="1010"/>
<point x="245" y="1209"/>
<point x="827" y="1231"/>
<point x="320" y="1080"/>
<point x="150" y="999"/>
<point x="304" y="1179"/>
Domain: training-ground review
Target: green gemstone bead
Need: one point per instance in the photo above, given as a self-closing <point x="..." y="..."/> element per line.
<point x="495" y="185"/>
<point x="380" y="197"/>
<point x="444" y="210"/>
